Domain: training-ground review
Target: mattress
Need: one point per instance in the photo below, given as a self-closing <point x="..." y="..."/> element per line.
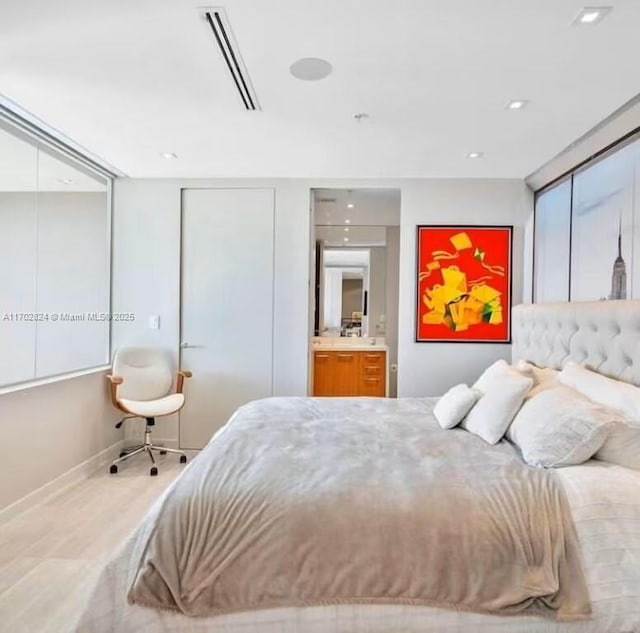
<point x="605" y="503"/>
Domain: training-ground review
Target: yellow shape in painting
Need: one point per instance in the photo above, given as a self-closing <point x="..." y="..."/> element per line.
<point x="457" y="312"/>
<point x="460" y="241"/>
<point x="442" y="295"/>
<point x="484" y="293"/>
<point x="433" y="318"/>
<point x="496" y="313"/>
<point x="496" y="317"/>
<point x="454" y="278"/>
<point x="433" y="265"/>
<point x="473" y="311"/>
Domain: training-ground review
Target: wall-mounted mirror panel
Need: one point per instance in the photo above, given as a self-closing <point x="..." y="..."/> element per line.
<point x="55" y="244"/>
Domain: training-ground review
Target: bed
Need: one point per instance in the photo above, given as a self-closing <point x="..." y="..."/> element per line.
<point x="604" y="502"/>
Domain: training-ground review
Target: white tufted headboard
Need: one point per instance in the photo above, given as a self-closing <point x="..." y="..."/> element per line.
<point x="601" y="335"/>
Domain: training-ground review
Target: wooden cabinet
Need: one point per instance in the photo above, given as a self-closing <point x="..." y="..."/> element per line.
<point x="373" y="374"/>
<point x="350" y="373"/>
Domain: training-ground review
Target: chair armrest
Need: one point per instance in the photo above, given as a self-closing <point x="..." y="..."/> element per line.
<point x="182" y="374"/>
<point x="114" y="382"/>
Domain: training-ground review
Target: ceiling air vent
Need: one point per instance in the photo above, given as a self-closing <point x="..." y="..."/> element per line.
<point x="219" y="24"/>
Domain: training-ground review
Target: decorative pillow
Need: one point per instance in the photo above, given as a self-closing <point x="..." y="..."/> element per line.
<point x="609" y="392"/>
<point x="622" y="445"/>
<point x="560" y="427"/>
<point x="454" y="405"/>
<point x="542" y="376"/>
<point x="503" y="390"/>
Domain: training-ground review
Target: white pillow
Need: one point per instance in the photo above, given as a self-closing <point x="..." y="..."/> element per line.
<point x="622" y="446"/>
<point x="542" y="376"/>
<point x="454" y="405"/>
<point x="560" y="427"/>
<point x="503" y="390"/>
<point x="609" y="392"/>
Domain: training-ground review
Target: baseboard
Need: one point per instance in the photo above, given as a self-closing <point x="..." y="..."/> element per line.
<point x="165" y="441"/>
<point x="74" y="475"/>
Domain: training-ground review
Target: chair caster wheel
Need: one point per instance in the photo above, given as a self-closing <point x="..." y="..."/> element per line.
<point x="153" y="472"/>
<point x="113" y="470"/>
<point x="183" y="459"/>
<point x="163" y="452"/>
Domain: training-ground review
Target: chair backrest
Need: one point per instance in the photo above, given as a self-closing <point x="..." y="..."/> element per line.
<point x="146" y="373"/>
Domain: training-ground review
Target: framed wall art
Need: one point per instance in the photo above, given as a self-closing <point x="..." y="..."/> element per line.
<point x="463" y="284"/>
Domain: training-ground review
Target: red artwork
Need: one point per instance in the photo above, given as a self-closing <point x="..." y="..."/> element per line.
<point x="464" y="284"/>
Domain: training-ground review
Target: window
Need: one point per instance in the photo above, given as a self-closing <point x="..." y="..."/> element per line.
<point x="55" y="250"/>
<point x="552" y="231"/>
<point x="587" y="230"/>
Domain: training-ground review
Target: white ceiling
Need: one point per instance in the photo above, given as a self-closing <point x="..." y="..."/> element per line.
<point x="129" y="80"/>
<point x="356" y="235"/>
<point x="371" y="207"/>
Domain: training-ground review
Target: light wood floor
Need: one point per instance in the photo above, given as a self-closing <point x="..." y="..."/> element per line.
<point x="50" y="555"/>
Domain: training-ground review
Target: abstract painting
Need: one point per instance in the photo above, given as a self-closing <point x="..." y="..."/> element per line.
<point x="463" y="284"/>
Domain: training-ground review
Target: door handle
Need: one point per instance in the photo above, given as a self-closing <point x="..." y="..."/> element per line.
<point x="189" y="346"/>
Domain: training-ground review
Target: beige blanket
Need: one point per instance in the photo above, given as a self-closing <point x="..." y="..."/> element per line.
<point x="301" y="501"/>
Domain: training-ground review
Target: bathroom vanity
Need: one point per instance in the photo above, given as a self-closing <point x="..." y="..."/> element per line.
<point x="349" y="367"/>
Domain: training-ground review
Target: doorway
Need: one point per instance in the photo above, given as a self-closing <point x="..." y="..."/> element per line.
<point x="356" y="242"/>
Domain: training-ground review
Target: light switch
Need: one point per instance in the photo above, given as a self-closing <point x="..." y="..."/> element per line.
<point x="154" y="322"/>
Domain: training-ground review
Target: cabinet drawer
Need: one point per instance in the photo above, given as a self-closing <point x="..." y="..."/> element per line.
<point x="372" y="386"/>
<point x="372" y="369"/>
<point x="372" y="358"/>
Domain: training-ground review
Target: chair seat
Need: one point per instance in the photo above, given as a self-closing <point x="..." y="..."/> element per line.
<point x="151" y="408"/>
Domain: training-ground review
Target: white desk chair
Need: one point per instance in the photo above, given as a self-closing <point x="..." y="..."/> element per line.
<point x="140" y="383"/>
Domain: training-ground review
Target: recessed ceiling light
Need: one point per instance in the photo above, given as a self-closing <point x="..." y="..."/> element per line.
<point x="65" y="181"/>
<point x="346" y="229"/>
<point x="169" y="155"/>
<point x="591" y="15"/>
<point x="350" y="205"/>
<point x="310" y="69"/>
<point x="347" y="221"/>
<point x="517" y="104"/>
<point x="346" y="239"/>
<point x="475" y="155"/>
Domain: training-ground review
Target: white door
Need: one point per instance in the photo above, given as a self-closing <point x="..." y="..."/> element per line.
<point x="227" y="305"/>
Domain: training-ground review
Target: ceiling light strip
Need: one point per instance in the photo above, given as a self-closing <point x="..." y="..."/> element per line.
<point x="224" y="44"/>
<point x="39" y="131"/>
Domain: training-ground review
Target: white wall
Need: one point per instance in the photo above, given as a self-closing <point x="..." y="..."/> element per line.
<point x="45" y="431"/>
<point x="393" y="301"/>
<point x="146" y="228"/>
<point x="429" y="369"/>
<point x="146" y="272"/>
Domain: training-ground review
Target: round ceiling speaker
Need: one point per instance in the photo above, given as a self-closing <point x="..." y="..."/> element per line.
<point x="311" y="69"/>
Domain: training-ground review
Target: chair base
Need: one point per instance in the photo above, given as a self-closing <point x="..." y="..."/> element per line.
<point x="147" y="448"/>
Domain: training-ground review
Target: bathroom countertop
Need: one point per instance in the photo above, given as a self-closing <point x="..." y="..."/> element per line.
<point x="349" y="347"/>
